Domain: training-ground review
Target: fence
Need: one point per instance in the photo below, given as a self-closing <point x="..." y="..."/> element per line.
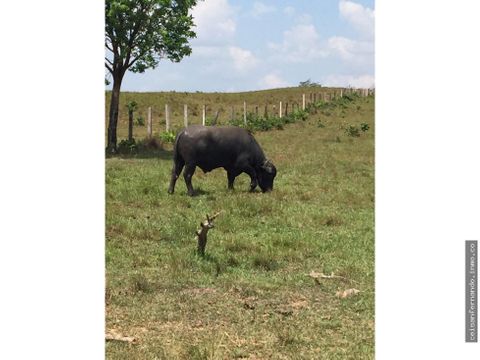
<point x="284" y="108"/>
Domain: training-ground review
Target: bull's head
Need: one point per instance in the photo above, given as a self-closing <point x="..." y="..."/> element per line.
<point x="265" y="175"/>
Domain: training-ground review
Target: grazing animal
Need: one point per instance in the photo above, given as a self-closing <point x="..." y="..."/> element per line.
<point x="233" y="148"/>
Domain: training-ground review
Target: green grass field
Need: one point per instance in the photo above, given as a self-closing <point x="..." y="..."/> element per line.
<point x="251" y="296"/>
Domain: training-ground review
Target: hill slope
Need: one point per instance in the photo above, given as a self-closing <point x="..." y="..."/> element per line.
<point x="222" y="102"/>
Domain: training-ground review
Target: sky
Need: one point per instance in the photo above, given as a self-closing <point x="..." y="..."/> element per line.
<point x="252" y="45"/>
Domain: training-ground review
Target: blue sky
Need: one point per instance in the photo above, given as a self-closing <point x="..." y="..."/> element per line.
<point x="251" y="45"/>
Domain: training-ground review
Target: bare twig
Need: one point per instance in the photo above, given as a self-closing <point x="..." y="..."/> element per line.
<point x="316" y="276"/>
<point x="113" y="335"/>
<point x="347" y="293"/>
<point x="202" y="233"/>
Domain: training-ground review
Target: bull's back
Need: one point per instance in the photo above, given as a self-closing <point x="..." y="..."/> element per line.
<point x="213" y="147"/>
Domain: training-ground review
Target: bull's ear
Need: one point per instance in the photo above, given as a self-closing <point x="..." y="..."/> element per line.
<point x="268" y="166"/>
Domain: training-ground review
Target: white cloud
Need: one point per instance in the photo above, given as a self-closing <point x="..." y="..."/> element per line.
<point x="362" y="81"/>
<point x="243" y="60"/>
<point x="260" y="8"/>
<point x="300" y="44"/>
<point x="207" y="51"/>
<point x="361" y="18"/>
<point x="215" y="24"/>
<point x="272" y="80"/>
<point x="357" y="52"/>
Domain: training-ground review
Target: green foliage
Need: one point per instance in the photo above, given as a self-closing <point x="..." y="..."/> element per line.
<point x="364" y="127"/>
<point x="140" y="121"/>
<point x="128" y="147"/>
<point x="308" y="83"/>
<point x="265" y="123"/>
<point x="352" y="131"/>
<point x="259" y="123"/>
<point x="298" y="114"/>
<point x="132" y="105"/>
<point x="209" y="121"/>
<point x="138" y="33"/>
<point x="167" y="137"/>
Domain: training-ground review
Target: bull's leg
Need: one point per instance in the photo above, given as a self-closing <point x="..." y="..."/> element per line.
<point x="253" y="177"/>
<point x="176" y="170"/>
<point x="231" y="174"/>
<point x="187" y="175"/>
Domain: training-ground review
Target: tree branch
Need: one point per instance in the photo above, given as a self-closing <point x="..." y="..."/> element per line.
<point x="133" y="35"/>
<point x="109" y="68"/>
<point x="108" y="47"/>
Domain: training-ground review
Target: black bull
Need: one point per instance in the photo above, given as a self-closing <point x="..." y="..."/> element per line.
<point x="232" y="148"/>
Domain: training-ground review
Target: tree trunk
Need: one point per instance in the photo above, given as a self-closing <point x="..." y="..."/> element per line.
<point x="113" y="117"/>
<point x="130" y="125"/>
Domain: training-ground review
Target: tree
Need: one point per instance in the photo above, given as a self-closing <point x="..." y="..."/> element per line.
<point x="308" y="83"/>
<point x="138" y="34"/>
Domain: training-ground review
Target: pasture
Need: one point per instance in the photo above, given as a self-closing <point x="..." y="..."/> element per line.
<point x="251" y="296"/>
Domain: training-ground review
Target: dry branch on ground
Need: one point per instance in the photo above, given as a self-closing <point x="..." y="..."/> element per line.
<point x="202" y="233"/>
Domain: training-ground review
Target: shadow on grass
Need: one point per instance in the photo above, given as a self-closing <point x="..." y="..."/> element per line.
<point x="208" y="257"/>
<point x="200" y="192"/>
<point x="142" y="149"/>
<point x="143" y="154"/>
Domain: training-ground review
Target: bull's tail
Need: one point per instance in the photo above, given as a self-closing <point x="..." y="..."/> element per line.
<point x="176" y="155"/>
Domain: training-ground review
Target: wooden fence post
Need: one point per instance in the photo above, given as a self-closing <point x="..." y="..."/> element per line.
<point x="303" y="102"/>
<point x="167" y="118"/>
<point x="286" y="109"/>
<point x="265" y="114"/>
<point x="245" y="112"/>
<point x="256" y="110"/>
<point x="204" y="111"/>
<point x="185" y="115"/>
<point x="341" y="93"/>
<point x="149" y="123"/>
<point x="280" y="110"/>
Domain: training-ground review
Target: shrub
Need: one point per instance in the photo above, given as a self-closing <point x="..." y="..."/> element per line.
<point x="364" y="127"/>
<point x="140" y="121"/>
<point x="236" y="122"/>
<point x="132" y="105"/>
<point x="167" y="137"/>
<point x="352" y="131"/>
<point x="296" y="115"/>
<point x="127" y="147"/>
